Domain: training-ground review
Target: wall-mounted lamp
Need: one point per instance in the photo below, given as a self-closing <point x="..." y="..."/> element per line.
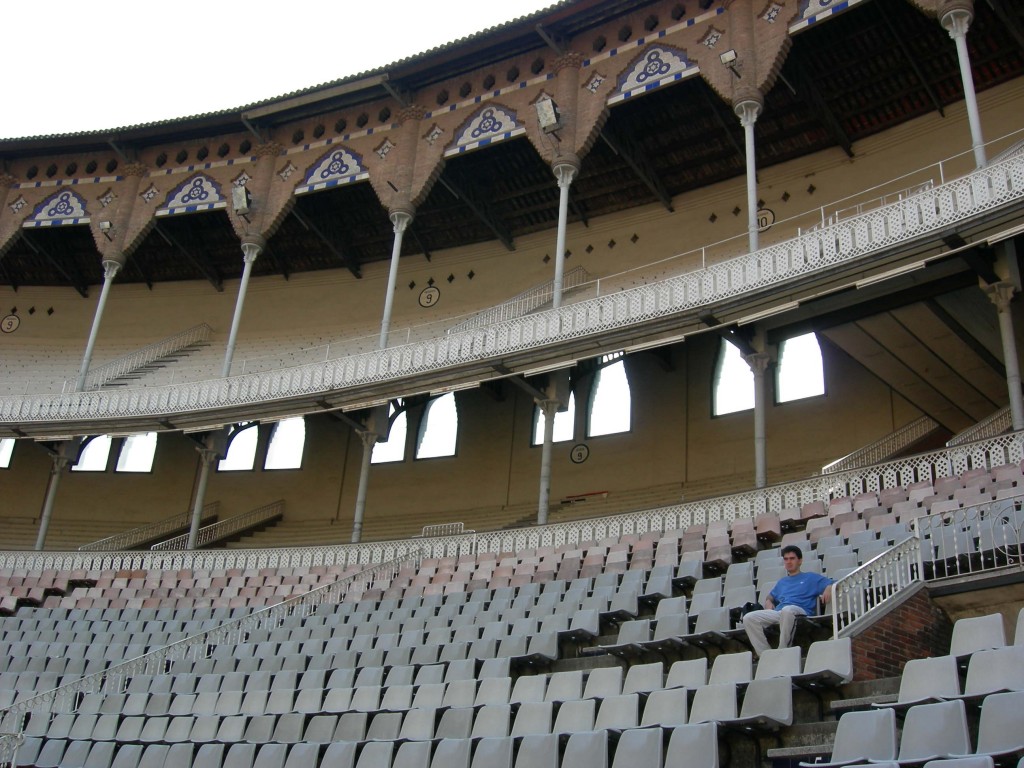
<point x="240" y="201"/>
<point x="105" y="227"/>
<point x="729" y="59"/>
<point x="547" y="115"/>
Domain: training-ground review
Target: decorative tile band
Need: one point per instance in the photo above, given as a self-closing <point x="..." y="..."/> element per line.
<point x="484" y="142"/>
<point x="68" y="182"/>
<point x="674" y="77"/>
<point x="191" y="208"/>
<point x="331" y="183"/>
<point x="823" y="14"/>
<point x="54" y="222"/>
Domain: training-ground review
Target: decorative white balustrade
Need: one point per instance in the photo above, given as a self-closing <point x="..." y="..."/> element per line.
<point x="224" y="528"/>
<point x="877" y="581"/>
<point x="9" y="743"/>
<point x="135" y="536"/>
<point x="140" y="358"/>
<point x="525" y="302"/>
<point x="198" y="646"/>
<point x="972" y="540"/>
<point x="889" y="445"/>
<point x="927" y="213"/>
<point x="999" y="422"/>
<point x="1004" y="449"/>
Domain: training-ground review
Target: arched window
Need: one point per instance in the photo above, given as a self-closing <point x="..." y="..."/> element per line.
<point x="241" y="450"/>
<point x="137" y="452"/>
<point x="800" y="371"/>
<point x="286" y="443"/>
<point x="610" y="401"/>
<point x="6" y="449"/>
<point x="734" y="381"/>
<point x="565" y="423"/>
<point x="439" y="428"/>
<point x="394" y="448"/>
<point x="94" y="456"/>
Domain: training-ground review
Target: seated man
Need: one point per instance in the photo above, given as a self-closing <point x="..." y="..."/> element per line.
<point x="795" y="594"/>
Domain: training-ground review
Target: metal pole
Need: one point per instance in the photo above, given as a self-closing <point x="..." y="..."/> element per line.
<point x="549" y="408"/>
<point x="206" y="457"/>
<point x="564" y="173"/>
<point x="369" y="439"/>
<point x="59" y="462"/>
<point x="250" y="250"/>
<point x="1001" y="293"/>
<point x="400" y="220"/>
<point x="758" y="365"/>
<point x="956" y="23"/>
<point x="110" y="269"/>
<point x="747" y="112"/>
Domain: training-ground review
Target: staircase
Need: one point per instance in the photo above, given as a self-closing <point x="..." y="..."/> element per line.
<point x="130" y="368"/>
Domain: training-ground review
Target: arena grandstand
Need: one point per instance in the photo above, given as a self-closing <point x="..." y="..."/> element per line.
<point x="452" y="414"/>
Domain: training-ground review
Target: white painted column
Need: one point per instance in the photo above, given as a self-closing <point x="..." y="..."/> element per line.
<point x="56" y="469"/>
<point x="206" y="457"/>
<point x="110" y="270"/>
<point x="252" y="246"/>
<point x="758" y="363"/>
<point x="549" y="408"/>
<point x="956" y="23"/>
<point x="747" y="111"/>
<point x="1001" y="294"/>
<point x="565" y="171"/>
<point x="369" y="439"/>
<point x="400" y="219"/>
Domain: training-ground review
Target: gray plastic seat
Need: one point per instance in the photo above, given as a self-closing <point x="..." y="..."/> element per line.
<point x="586" y="749"/>
<point x="933" y="731"/>
<point x="713" y="703"/>
<point x="538" y="751"/>
<point x="732" y="668"/>
<point x="1001" y="726"/>
<point x="639" y="748"/>
<point x="451" y="753"/>
<point x="829" y="663"/>
<point x="977" y="634"/>
<point x="926" y="680"/>
<point x="493" y="752"/>
<point x="618" y="712"/>
<point x="643" y="678"/>
<point x="695" y="746"/>
<point x="995" y="671"/>
<point x="667" y="708"/>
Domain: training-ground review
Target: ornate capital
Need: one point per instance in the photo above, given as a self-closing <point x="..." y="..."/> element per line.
<point x="565" y="167"/>
<point x="1001" y="294"/>
<point x="401" y="217"/>
<point x="758" y="362"/>
<point x="413" y="112"/>
<point x="267" y="149"/>
<point x="135" y="169"/>
<point x="368" y="438"/>
<point x="748" y="106"/>
<point x="110" y="268"/>
<point x="571" y="60"/>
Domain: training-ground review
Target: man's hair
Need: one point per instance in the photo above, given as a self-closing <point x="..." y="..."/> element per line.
<point x="794" y="549"/>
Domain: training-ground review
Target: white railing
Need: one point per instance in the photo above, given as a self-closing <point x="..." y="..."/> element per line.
<point x="880" y="450"/>
<point x="140" y="358"/>
<point x="132" y="538"/>
<point x="9" y="743"/>
<point x="996" y="186"/>
<point x="114" y="679"/>
<point x="858" y="594"/>
<point x="225" y="528"/>
<point x="524" y="303"/>
<point x="975" y="539"/>
<point x="999" y="422"/>
<point x="1004" y="449"/>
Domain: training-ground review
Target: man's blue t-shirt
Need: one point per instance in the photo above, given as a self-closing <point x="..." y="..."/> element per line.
<point x="800" y="589"/>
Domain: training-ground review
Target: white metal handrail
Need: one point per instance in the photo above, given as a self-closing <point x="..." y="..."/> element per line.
<point x="131" y="538"/>
<point x="1004" y="449"/>
<point x="523" y="303"/>
<point x="993" y="187"/>
<point x="140" y="358"/>
<point x="882" y="449"/>
<point x="999" y="422"/>
<point x="9" y="743"/>
<point x="866" y="589"/>
<point x="224" y="528"/>
<point x="115" y="678"/>
<point x="975" y="539"/>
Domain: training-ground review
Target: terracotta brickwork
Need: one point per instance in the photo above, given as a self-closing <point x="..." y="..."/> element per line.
<point x="914" y="629"/>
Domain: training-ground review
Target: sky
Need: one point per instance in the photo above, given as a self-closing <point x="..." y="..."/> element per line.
<point x="84" y="65"/>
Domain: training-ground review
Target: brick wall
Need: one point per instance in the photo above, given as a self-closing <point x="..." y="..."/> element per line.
<point x="912" y="629"/>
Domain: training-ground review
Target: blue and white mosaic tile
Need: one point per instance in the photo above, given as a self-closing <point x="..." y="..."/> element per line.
<point x="59" y="209"/>
<point x="339" y="166"/>
<point x="199" y="193"/>
<point x="489" y="125"/>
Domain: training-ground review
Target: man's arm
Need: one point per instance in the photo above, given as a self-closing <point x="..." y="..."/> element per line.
<point x="769" y="603"/>
<point x="826" y="594"/>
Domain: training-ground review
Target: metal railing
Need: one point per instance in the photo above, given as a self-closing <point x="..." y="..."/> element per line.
<point x="523" y="303"/>
<point x="882" y="449"/>
<point x="9" y="743"/>
<point x="132" y="538"/>
<point x="862" y="592"/>
<point x="1003" y="449"/>
<point x="975" y="539"/>
<point x="140" y="358"/>
<point x="999" y="422"/>
<point x="225" y="528"/>
<point x="994" y="187"/>
<point x="114" y="679"/>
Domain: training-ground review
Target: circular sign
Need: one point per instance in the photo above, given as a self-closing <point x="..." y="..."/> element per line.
<point x="765" y="219"/>
<point x="429" y="296"/>
<point x="579" y="453"/>
<point x="10" y="324"/>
